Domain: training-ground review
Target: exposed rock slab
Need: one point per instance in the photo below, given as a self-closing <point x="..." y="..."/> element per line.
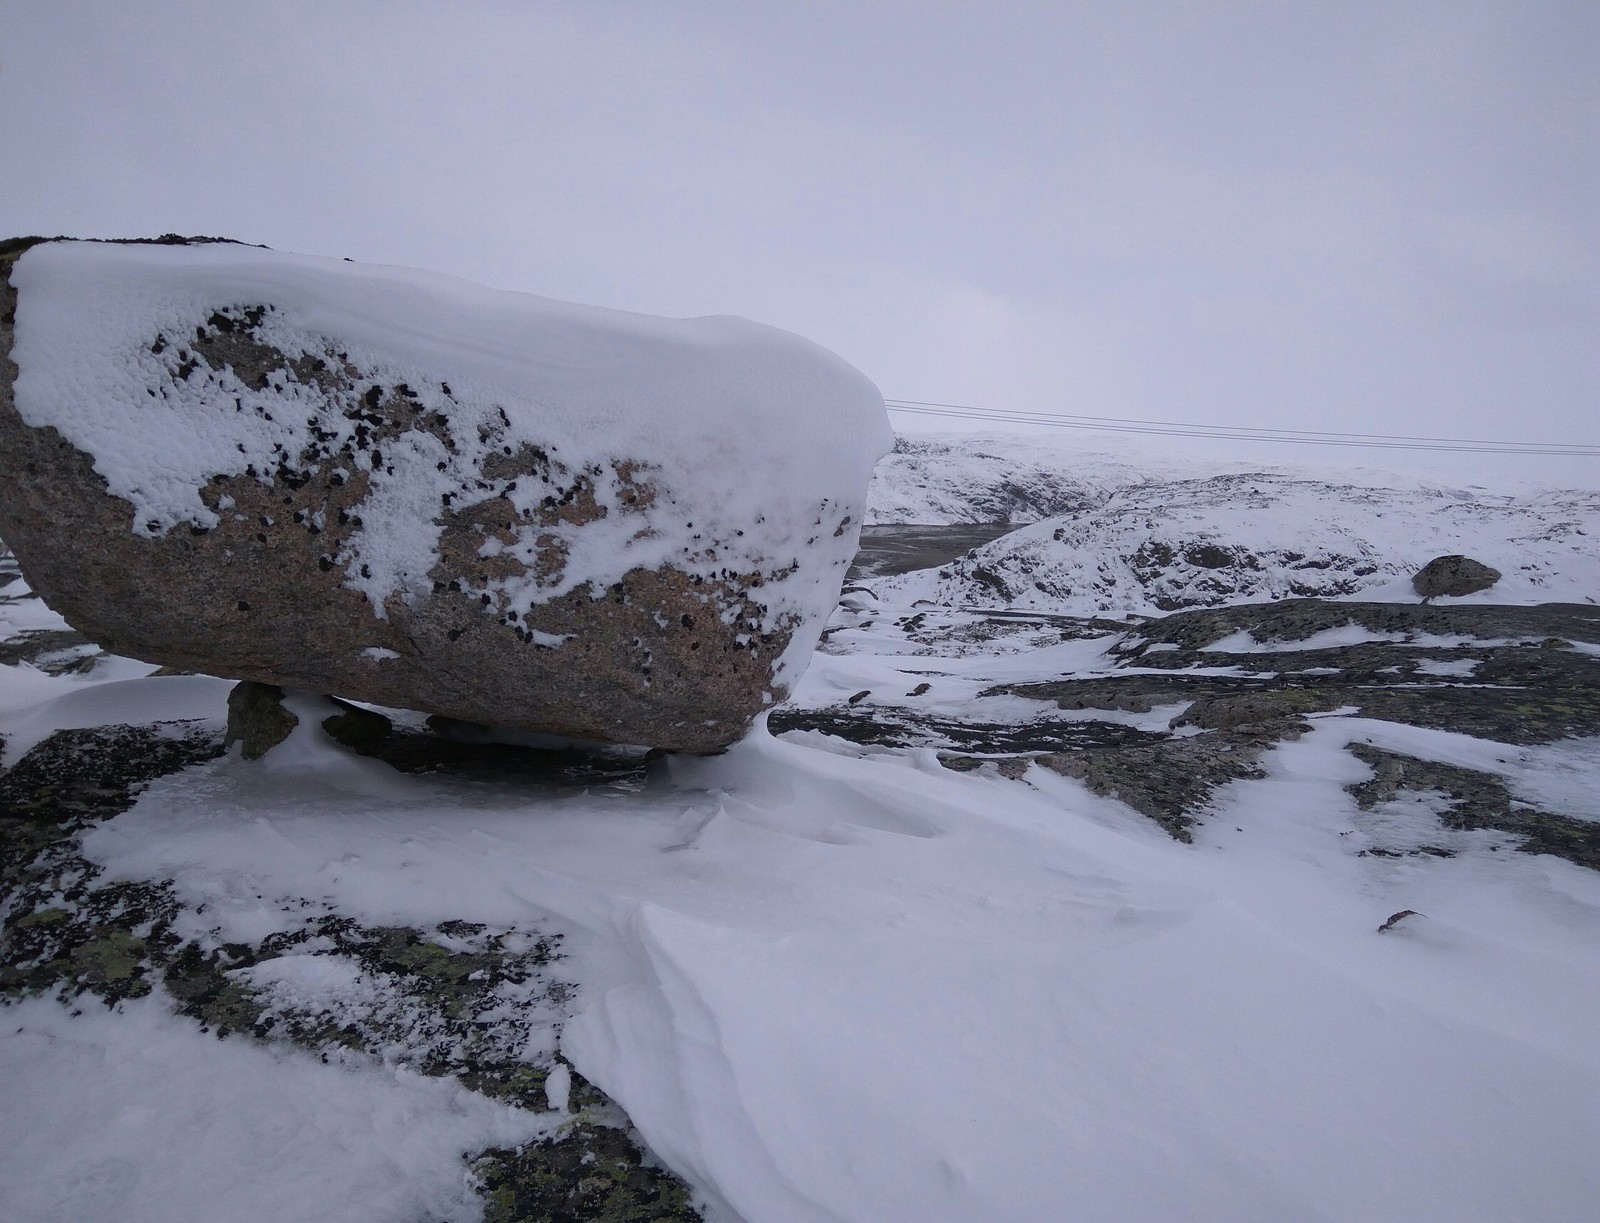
<point x="433" y="1000"/>
<point x="1510" y="674"/>
<point x="1247" y="677"/>
<point x="1474" y="800"/>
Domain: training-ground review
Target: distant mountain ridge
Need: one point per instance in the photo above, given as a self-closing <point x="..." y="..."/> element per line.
<point x="961" y="479"/>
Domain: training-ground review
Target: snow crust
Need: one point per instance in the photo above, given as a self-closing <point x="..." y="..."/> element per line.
<point x="752" y="437"/>
<point x="136" y="1115"/>
<point x="34" y="706"/>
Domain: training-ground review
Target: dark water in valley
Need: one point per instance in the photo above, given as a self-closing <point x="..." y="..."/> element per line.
<point x="900" y="548"/>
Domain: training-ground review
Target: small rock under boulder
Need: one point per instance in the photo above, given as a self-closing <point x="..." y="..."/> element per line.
<point x="421" y="494"/>
<point x="1453" y="576"/>
<point x="259" y="719"/>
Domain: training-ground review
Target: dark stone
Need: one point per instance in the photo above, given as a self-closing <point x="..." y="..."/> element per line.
<point x="591" y="1174"/>
<point x="1228" y="712"/>
<point x="257" y="719"/>
<point x="1208" y="556"/>
<point x="877" y="726"/>
<point x="1476" y="800"/>
<point x="359" y="729"/>
<point x="1453" y="576"/>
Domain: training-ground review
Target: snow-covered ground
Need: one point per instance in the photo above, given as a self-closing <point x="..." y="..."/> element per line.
<point x="829" y="985"/>
<point x="850" y="985"/>
<point x="138" y="1114"/>
<point x="1111" y="534"/>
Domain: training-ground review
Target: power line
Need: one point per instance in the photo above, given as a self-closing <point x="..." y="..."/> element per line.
<point x="1303" y="437"/>
<point x="1240" y="434"/>
<point x="1118" y="420"/>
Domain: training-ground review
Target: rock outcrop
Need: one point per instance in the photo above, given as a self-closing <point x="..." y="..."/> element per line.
<point x="413" y="492"/>
<point x="1453" y="576"/>
<point x="1243" y="679"/>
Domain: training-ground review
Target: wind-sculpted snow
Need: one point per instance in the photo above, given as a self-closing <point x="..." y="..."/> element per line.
<point x="831" y="985"/>
<point x="1164" y="544"/>
<point x="176" y="1124"/>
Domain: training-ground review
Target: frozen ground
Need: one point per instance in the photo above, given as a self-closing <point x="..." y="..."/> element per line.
<point x="836" y="981"/>
<point x="166" y="1122"/>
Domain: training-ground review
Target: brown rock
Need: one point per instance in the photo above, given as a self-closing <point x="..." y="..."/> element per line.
<point x="1453" y="576"/>
<point x="665" y="656"/>
<point x="258" y="720"/>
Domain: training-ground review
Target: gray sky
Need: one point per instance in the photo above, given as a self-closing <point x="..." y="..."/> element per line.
<point x="1377" y="217"/>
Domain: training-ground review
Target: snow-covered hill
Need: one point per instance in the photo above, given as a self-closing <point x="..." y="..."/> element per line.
<point x="970" y="478"/>
<point x="1170" y="535"/>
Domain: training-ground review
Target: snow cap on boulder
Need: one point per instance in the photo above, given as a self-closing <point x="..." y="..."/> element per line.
<point x="410" y="490"/>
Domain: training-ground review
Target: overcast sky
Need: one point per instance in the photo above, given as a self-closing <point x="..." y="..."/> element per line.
<point x="1327" y="214"/>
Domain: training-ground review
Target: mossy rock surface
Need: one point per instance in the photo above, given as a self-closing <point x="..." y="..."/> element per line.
<point x="1511" y="675"/>
<point x="592" y="1174"/>
<point x="1474" y="800"/>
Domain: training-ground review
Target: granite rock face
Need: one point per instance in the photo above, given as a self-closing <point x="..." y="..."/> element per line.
<point x="269" y="576"/>
<point x="1453" y="576"/>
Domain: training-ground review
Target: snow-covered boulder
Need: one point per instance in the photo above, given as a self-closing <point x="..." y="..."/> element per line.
<point x="414" y="491"/>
